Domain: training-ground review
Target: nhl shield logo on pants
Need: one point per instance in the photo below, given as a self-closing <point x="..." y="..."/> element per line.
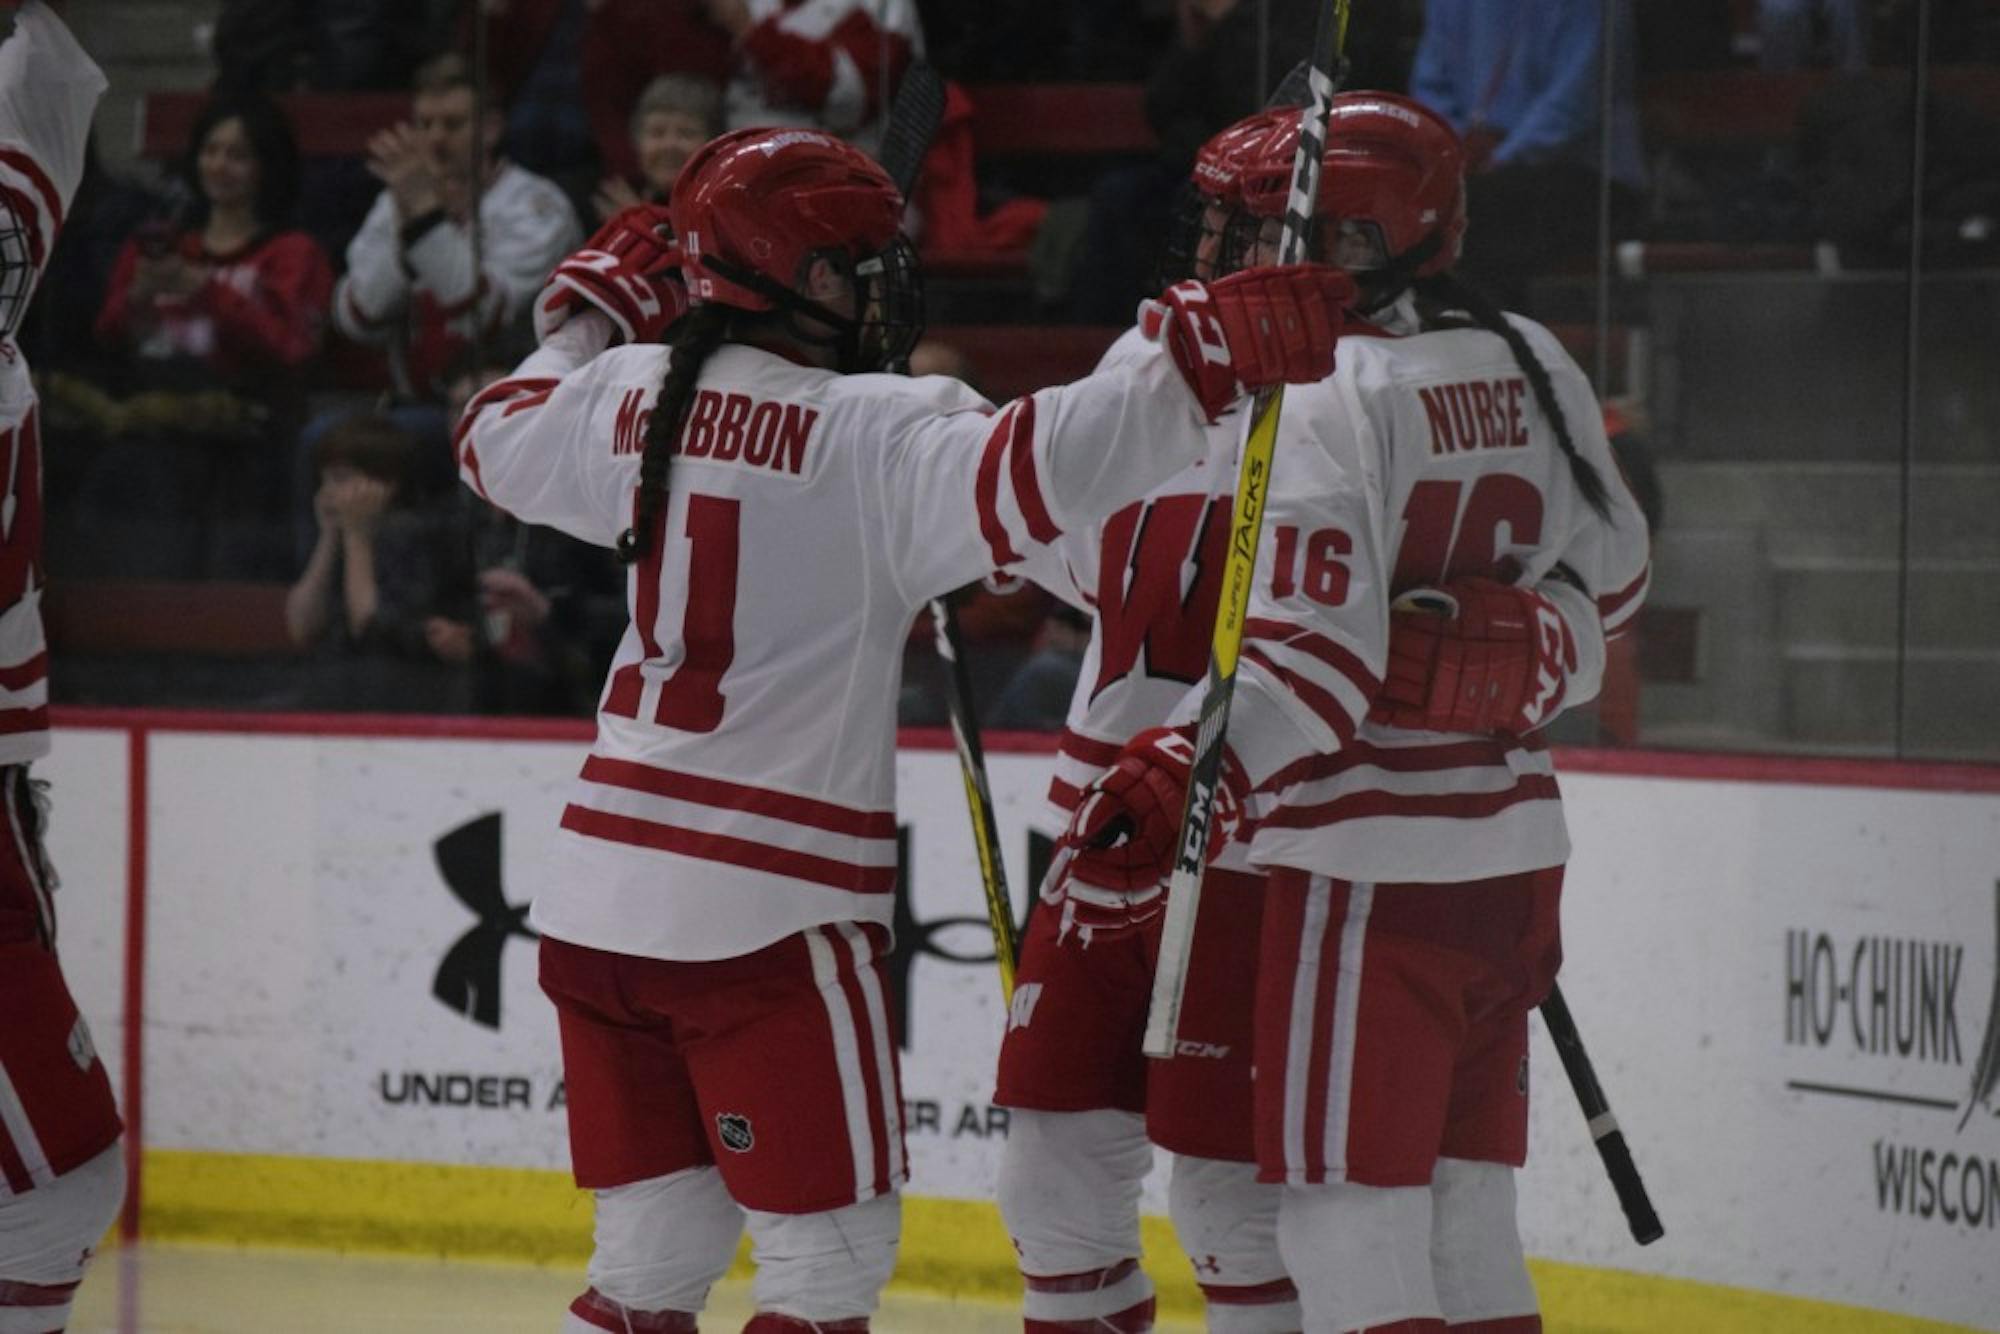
<point x="733" y="1129"/>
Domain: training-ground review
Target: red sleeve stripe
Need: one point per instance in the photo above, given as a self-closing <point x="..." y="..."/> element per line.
<point x="17" y="1294"/>
<point x="1609" y="606"/>
<point x="1341" y="659"/>
<point x="1432" y="806"/>
<point x="39" y="179"/>
<point x="634" y="832"/>
<point x="1064" y="796"/>
<point x="1027" y="487"/>
<point x="23" y="675"/>
<point x="1314" y="696"/>
<point x="1098" y="754"/>
<point x="1441" y="758"/>
<point x="13" y="722"/>
<point x="986" y="491"/>
<point x="519" y="395"/>
<point x="728" y="796"/>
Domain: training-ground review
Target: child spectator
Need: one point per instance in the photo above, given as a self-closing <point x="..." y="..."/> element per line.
<point x="384" y="605"/>
<point x="211" y="321"/>
<point x="677" y="114"/>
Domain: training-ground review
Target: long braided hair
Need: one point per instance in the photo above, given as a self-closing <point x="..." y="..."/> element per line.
<point x="1442" y="292"/>
<point x="694" y="338"/>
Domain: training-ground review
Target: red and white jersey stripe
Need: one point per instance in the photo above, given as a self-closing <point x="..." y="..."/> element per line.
<point x="48" y="92"/>
<point x="23" y="1164"/>
<point x="742" y="786"/>
<point x="1422" y="459"/>
<point x="1151" y="576"/>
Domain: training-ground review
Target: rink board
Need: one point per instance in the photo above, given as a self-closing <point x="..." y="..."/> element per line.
<point x="1786" y="971"/>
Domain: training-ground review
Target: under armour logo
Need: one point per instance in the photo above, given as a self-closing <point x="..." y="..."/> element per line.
<point x="468" y="980"/>
<point x="1208" y="1264"/>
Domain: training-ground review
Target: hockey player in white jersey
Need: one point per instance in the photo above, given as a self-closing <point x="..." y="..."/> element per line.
<point x="1083" y="1097"/>
<point x="62" y="1172"/>
<point x="715" y="923"/>
<point x="1416" y="842"/>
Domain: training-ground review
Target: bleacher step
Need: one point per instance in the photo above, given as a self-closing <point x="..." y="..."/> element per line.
<point x="1848" y="510"/>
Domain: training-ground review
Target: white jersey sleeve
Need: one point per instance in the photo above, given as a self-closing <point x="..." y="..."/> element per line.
<point x="527" y="228"/>
<point x="1050" y="463"/>
<point x="374" y="293"/>
<point x="531" y="443"/>
<point x="48" y="93"/>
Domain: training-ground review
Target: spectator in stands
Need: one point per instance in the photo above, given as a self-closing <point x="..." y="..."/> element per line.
<point x="1519" y="79"/>
<point x="1206" y="80"/>
<point x="629" y="43"/>
<point x="213" y="316"/>
<point x="834" y="64"/>
<point x="384" y="604"/>
<point x="1037" y="696"/>
<point x="677" y="114"/>
<point x="417" y="278"/>
<point x="1785" y="33"/>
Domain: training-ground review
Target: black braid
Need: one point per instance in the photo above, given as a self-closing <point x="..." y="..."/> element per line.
<point x="694" y="337"/>
<point x="1449" y="292"/>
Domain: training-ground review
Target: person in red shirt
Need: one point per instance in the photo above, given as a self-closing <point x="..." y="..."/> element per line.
<point x="216" y="313"/>
<point x="235" y="290"/>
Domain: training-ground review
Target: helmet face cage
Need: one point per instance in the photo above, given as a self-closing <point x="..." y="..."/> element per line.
<point x="1205" y="240"/>
<point x="889" y="294"/>
<point x="17" y="268"/>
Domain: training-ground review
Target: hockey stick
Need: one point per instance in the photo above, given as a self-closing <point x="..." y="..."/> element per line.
<point x="1246" y="524"/>
<point x="913" y="123"/>
<point x="1618" y="1164"/>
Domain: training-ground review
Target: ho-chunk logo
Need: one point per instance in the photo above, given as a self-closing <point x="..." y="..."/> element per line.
<point x="1891" y="1006"/>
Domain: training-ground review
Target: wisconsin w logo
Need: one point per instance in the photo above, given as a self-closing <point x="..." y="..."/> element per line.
<point x="468" y="981"/>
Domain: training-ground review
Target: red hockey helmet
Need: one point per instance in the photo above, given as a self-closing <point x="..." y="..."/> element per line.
<point x="1393" y="168"/>
<point x="1213" y="193"/>
<point x="753" y="207"/>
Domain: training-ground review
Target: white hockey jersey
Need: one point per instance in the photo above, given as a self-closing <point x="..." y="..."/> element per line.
<point x="431" y="302"/>
<point x="48" y="93"/>
<point x="1150" y="577"/>
<point x="1422" y="458"/>
<point x="742" y="784"/>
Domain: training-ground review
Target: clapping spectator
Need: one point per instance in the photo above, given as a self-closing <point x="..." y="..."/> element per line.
<point x="417" y="280"/>
<point x="384" y="605"/>
<point x="677" y="114"/>
<point x="1520" y="81"/>
<point x="833" y="64"/>
<point x="211" y="319"/>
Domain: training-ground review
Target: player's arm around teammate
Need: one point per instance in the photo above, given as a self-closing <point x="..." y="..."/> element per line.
<point x="62" y="1171"/>
<point x="1415" y="862"/>
<point x="716" y="919"/>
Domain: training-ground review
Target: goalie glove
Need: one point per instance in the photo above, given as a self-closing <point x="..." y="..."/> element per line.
<point x="1110" y="878"/>
<point x="630" y="270"/>
<point x="1251" y="330"/>
<point x="1475" y="656"/>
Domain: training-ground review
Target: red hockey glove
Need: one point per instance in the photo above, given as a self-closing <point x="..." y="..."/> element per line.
<point x="1250" y="330"/>
<point x="1114" y="859"/>
<point x="1475" y="656"/>
<point x="630" y="270"/>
